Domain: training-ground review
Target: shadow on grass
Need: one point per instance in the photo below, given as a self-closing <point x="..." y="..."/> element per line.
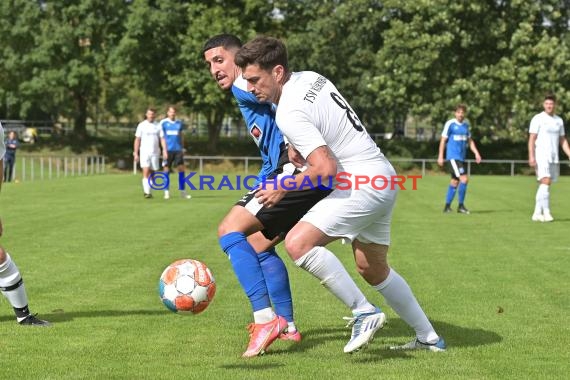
<point x="491" y="211"/>
<point x="395" y="333"/>
<point x="60" y="316"/>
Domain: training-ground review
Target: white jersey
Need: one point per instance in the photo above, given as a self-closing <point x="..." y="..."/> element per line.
<point x="312" y="113"/>
<point x="150" y="134"/>
<point x="2" y="145"/>
<point x="548" y="130"/>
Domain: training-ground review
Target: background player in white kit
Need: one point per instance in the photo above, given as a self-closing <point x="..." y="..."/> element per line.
<point x="146" y="148"/>
<point x="11" y="283"/>
<point x="546" y="132"/>
<point x="327" y="133"/>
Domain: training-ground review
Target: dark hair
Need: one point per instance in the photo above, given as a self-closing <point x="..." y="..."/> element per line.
<point x="550" y="96"/>
<point x="461" y="106"/>
<point x="267" y="52"/>
<point x="225" y="40"/>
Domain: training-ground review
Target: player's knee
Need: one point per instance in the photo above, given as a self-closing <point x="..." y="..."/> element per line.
<point x="295" y="247"/>
<point x="454" y="182"/>
<point x="3" y="255"/>
<point x="223" y="229"/>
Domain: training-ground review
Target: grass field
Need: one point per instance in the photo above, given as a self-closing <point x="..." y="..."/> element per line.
<point x="91" y="250"/>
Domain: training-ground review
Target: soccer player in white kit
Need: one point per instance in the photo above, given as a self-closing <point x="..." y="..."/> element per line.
<point x="546" y="132"/>
<point x="146" y="149"/>
<point x="325" y="133"/>
<point x="11" y="283"/>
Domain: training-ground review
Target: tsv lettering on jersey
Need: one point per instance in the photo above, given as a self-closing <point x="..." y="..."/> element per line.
<point x="311" y="95"/>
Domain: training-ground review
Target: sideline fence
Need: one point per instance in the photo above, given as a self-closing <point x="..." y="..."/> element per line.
<point x="32" y="168"/>
<point x="424" y="165"/>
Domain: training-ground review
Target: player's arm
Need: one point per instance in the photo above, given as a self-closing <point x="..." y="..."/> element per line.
<point x="531" y="155"/>
<point x="164" y="151"/>
<point x="565" y="146"/>
<point x="162" y="139"/>
<point x="181" y="137"/>
<point x="136" y="147"/>
<point x="321" y="165"/>
<point x="442" y="142"/>
<point x="1" y="172"/>
<point x="473" y="148"/>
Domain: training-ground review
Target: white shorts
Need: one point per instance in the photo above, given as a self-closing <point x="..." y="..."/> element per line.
<point x="547" y="170"/>
<point x="364" y="214"/>
<point x="149" y="161"/>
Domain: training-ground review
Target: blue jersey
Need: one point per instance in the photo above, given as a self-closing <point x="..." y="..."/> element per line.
<point x="172" y="134"/>
<point x="457" y="138"/>
<point x="260" y="121"/>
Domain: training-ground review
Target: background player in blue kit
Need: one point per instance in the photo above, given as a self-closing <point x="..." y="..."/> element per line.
<point x="174" y="137"/>
<point x="454" y="139"/>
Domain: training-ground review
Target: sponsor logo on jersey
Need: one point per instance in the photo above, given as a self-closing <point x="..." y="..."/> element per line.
<point x="256" y="133"/>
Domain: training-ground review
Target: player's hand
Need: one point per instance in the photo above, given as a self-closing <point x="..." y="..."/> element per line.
<point x="531" y="162"/>
<point x="269" y="197"/>
<point x="295" y="157"/>
<point x="440" y="161"/>
<point x="478" y="158"/>
<point x="136" y="157"/>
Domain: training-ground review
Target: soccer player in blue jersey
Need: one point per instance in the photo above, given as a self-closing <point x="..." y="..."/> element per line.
<point x="454" y="139"/>
<point x="260" y="271"/>
<point x="174" y="137"/>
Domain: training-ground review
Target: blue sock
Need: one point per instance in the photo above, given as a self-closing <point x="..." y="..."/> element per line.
<point x="247" y="268"/>
<point x="450" y="194"/>
<point x="277" y="280"/>
<point x="462" y="191"/>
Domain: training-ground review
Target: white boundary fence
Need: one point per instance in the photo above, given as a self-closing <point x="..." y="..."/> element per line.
<point x="32" y="168"/>
<point x="422" y="163"/>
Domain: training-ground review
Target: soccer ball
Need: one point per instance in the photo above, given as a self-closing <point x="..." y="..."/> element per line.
<point x="187" y="286"/>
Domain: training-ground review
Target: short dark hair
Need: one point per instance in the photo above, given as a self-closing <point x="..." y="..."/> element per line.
<point x="461" y="106"/>
<point x="225" y="40"/>
<point x="550" y="96"/>
<point x="267" y="52"/>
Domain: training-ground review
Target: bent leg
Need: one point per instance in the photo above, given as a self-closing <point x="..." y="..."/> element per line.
<point x="372" y="263"/>
<point x="232" y="232"/>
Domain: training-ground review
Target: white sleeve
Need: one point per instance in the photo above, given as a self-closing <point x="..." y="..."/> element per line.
<point x="446" y="128"/>
<point x="301" y="132"/>
<point x="562" y="133"/>
<point x="138" y="132"/>
<point x="534" y="124"/>
<point x="2" y="145"/>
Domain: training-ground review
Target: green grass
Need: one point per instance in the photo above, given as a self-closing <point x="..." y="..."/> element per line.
<point x="91" y="250"/>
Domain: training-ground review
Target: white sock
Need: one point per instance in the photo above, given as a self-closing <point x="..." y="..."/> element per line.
<point x="146" y="185"/>
<point x="543" y="198"/>
<point x="325" y="266"/>
<point x="291" y="328"/>
<point x="399" y="296"/>
<point x="263" y="315"/>
<point x="166" y="193"/>
<point x="12" y="286"/>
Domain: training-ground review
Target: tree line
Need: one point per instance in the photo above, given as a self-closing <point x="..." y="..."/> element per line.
<point x="393" y="59"/>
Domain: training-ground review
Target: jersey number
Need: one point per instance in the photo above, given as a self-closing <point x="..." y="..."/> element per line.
<point x="349" y="112"/>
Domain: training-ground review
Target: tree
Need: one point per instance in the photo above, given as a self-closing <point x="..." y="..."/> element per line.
<point x="58" y="52"/>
